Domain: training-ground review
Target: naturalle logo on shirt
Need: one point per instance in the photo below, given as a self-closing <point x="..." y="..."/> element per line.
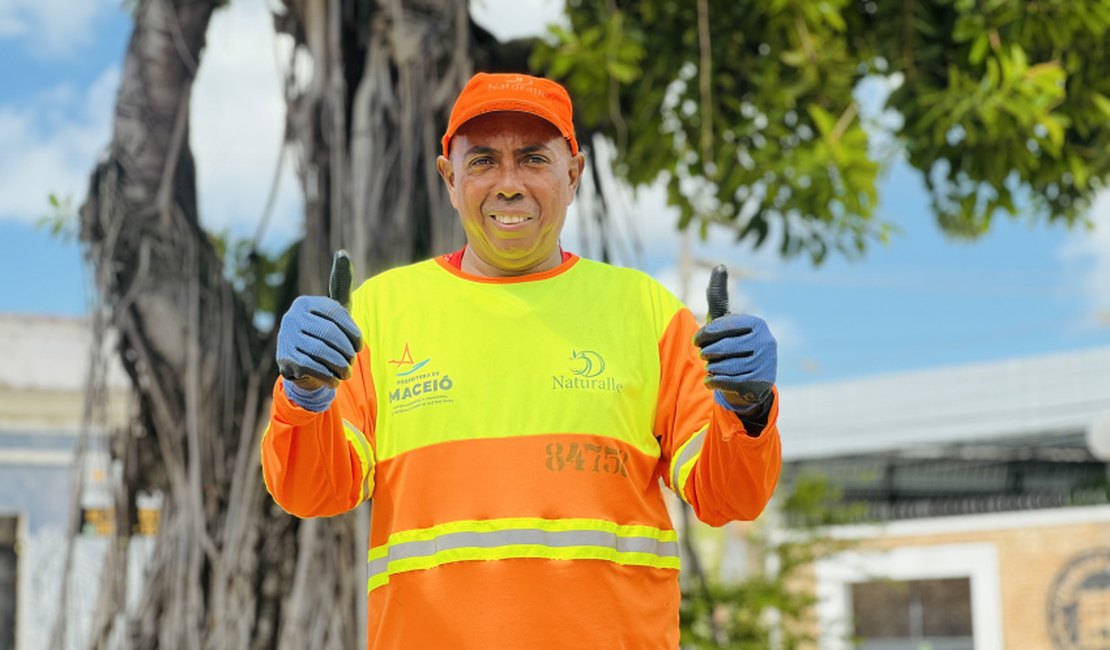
<point x="586" y="368"/>
<point x="592" y="364"/>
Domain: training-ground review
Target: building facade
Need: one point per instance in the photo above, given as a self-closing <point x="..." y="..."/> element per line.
<point x="987" y="520"/>
<point x="987" y="504"/>
<point x="47" y="448"/>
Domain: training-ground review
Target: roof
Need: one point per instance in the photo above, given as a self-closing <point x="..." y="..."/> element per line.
<point x="42" y="381"/>
<point x="50" y="353"/>
<point x="1053" y="395"/>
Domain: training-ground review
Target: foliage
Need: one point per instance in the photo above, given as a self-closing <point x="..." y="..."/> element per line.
<point x="747" y="110"/>
<point x="742" y="612"/>
<point x="61" y="220"/>
<point x="260" y="280"/>
<point x="1001" y="98"/>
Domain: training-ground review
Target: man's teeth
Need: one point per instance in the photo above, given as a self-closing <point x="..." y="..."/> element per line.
<point x="509" y="220"/>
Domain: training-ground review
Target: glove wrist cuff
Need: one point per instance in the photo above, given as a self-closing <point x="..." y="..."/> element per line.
<point x="317" y="400"/>
<point x="741" y="407"/>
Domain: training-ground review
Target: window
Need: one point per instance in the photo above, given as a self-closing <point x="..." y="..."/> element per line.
<point x="946" y="594"/>
<point x="910" y="614"/>
<point x="8" y="582"/>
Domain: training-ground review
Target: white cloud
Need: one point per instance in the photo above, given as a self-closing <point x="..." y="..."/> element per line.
<point x="643" y="218"/>
<point x="53" y="27"/>
<point x="48" y="145"/>
<point x="50" y="142"/>
<point x="508" y="19"/>
<point x="238" y="118"/>
<point x="1090" y="250"/>
<point x="11" y="25"/>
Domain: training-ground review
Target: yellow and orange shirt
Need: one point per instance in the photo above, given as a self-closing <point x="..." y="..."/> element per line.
<point x="513" y="434"/>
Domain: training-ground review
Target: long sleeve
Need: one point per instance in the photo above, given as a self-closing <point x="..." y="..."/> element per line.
<point x="709" y="459"/>
<point x="322" y="464"/>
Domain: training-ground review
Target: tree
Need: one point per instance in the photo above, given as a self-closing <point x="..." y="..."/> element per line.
<point x="773" y="607"/>
<point x="753" y="101"/>
<point x="230" y="569"/>
<point x="746" y="108"/>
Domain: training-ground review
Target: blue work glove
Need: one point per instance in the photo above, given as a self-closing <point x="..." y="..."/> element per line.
<point x="317" y="342"/>
<point x="742" y="354"/>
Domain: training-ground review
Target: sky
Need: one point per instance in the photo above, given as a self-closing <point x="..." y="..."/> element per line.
<point x="919" y="302"/>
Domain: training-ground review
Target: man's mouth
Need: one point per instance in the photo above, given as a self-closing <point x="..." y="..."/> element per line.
<point x="510" y="219"/>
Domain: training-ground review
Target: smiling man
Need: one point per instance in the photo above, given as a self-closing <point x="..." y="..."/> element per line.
<point x="511" y="176"/>
<point x="515" y="411"/>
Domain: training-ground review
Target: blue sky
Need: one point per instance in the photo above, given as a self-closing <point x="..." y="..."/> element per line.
<point x="919" y="302"/>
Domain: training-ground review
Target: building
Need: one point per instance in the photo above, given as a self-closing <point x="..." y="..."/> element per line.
<point x="42" y="409"/>
<point x="988" y="520"/>
<point x="989" y="510"/>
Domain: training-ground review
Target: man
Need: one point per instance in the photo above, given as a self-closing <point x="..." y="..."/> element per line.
<point x="514" y="409"/>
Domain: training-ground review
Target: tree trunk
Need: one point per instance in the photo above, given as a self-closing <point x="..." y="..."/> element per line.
<point x="225" y="557"/>
<point x="367" y="128"/>
<point x="230" y="570"/>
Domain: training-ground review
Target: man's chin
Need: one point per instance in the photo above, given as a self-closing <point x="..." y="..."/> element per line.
<point x="514" y="262"/>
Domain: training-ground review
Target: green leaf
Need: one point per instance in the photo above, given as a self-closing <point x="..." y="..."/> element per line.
<point x="979" y="49"/>
<point x="832" y="16"/>
<point x="822" y="118"/>
<point x="1078" y="171"/>
<point x="1055" y="132"/>
<point x="793" y="58"/>
<point x="1102" y="103"/>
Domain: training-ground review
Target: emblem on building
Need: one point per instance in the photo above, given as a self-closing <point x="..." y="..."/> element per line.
<point x="1079" y="602"/>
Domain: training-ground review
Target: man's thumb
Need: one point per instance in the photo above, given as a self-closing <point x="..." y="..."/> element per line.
<point x="717" y="293"/>
<point x="339" y="284"/>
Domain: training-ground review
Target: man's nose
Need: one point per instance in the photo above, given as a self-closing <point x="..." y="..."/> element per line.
<point x="509" y="185"/>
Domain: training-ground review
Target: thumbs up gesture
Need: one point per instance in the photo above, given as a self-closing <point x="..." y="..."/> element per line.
<point x="318" y="340"/>
<point x="741" y="353"/>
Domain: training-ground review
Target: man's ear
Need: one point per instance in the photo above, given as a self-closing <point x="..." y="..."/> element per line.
<point x="577" y="164"/>
<point x="447" y="173"/>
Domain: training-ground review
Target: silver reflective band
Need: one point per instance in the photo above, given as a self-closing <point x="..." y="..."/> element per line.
<point x="523" y="536"/>
<point x="366" y="453"/>
<point x="692" y="449"/>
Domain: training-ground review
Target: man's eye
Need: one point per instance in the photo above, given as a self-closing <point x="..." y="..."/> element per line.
<point x="481" y="162"/>
<point x="535" y="160"/>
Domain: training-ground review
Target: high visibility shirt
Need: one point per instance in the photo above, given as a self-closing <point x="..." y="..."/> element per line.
<point x="513" y="434"/>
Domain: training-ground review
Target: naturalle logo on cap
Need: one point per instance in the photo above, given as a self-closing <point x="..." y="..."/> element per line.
<point x="512" y="80"/>
<point x="518" y="83"/>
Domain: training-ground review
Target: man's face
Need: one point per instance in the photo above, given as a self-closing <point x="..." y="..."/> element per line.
<point x="511" y="178"/>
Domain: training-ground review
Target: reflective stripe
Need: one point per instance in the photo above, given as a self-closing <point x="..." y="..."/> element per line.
<point x="683" y="462"/>
<point x="566" y="539"/>
<point x="365" y="457"/>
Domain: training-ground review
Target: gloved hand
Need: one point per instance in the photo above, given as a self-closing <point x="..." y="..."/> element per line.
<point x="317" y="341"/>
<point x="742" y="354"/>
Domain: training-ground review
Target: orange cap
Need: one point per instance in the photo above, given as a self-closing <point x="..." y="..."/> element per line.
<point x="487" y="93"/>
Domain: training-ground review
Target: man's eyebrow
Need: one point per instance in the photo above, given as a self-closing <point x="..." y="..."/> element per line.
<point x="479" y="150"/>
<point x="532" y="148"/>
